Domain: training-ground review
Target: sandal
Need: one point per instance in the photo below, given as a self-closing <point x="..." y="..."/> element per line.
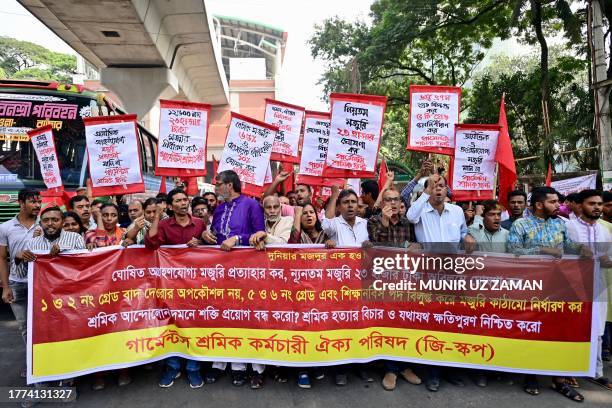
<point x="572" y="382"/>
<point x="532" y="388"/>
<point x="567" y="391"/>
<point x="602" y="382"/>
<point x="239" y="378"/>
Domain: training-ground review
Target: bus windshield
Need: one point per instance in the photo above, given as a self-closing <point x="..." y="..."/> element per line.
<point x="26" y="106"/>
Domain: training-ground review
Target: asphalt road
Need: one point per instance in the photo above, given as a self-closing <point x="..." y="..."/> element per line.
<point x="144" y="392"/>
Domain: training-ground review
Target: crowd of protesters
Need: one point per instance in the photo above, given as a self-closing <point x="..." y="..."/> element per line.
<point x="547" y="223"/>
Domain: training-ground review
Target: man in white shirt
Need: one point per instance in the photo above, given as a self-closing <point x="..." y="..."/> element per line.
<point x="441" y="227"/>
<point x="433" y="219"/>
<point x="278" y="228"/>
<point x="347" y="229"/>
<point x="586" y="230"/>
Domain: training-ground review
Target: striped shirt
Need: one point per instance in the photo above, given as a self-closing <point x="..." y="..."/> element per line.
<point x="66" y="241"/>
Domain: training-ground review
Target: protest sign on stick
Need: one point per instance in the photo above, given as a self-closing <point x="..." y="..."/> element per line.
<point x="355" y="134"/>
<point x="434" y="111"/>
<point x="183" y="131"/>
<point x="247" y="150"/>
<point x="44" y="145"/>
<point x="472" y="175"/>
<point x="314" y="150"/>
<point x="288" y="118"/>
<point x="114" y="155"/>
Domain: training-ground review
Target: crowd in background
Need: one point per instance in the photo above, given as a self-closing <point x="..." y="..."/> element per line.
<point x="544" y="222"/>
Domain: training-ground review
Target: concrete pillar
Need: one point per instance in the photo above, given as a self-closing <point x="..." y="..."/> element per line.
<point x="140" y="88"/>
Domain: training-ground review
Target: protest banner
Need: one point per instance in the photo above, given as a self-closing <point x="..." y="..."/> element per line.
<point x="434" y="112"/>
<point x="473" y="164"/>
<point x="183" y="132"/>
<point x="307" y="306"/>
<point x="355" y="134"/>
<point x="247" y="150"/>
<point x="314" y="150"/>
<point x="288" y="118"/>
<point x="575" y="184"/>
<point x="113" y="150"/>
<point x="44" y="145"/>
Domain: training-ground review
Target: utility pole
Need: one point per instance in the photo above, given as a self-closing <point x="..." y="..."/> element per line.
<point x="602" y="87"/>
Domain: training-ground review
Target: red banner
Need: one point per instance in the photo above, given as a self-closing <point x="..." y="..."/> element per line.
<point x="302" y="306"/>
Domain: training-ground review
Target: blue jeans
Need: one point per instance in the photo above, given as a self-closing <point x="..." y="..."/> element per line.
<point x="20" y="306"/>
<point x="394" y="367"/>
<point x="175" y="364"/>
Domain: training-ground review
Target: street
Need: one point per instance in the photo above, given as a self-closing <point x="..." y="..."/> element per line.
<point x="144" y="392"/>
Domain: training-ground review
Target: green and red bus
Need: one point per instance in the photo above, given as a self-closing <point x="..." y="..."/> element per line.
<point x="25" y="105"/>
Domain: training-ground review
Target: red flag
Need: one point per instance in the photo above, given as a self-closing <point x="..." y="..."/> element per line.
<point x="288" y="184"/>
<point x="192" y="186"/>
<point x="549" y="175"/>
<point x="215" y="169"/>
<point x="504" y="156"/>
<point x="382" y="174"/>
<point x="162" y="186"/>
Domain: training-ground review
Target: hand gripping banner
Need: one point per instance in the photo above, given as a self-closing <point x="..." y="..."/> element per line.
<point x="308" y="306"/>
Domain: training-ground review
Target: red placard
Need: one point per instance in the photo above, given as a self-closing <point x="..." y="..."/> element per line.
<point x="337" y="98"/>
<point x="181" y="172"/>
<point x="450" y="91"/>
<point x="137" y="187"/>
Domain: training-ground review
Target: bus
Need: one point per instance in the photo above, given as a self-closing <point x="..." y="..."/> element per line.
<point x="25" y="105"/>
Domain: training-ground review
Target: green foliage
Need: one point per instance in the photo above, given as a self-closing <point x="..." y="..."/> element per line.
<point x="26" y="60"/>
<point x="519" y="79"/>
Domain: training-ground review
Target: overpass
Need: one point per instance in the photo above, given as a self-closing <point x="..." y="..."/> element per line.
<point x="144" y="49"/>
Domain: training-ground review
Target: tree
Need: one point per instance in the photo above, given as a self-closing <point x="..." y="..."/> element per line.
<point x="519" y="78"/>
<point x="23" y="59"/>
<point x="419" y="42"/>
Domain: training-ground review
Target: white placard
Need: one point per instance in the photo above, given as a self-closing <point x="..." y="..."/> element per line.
<point x="474" y="167"/>
<point x="247" y="150"/>
<point x="434" y="111"/>
<point x="113" y="153"/>
<point x="355" y="133"/>
<point x="289" y="122"/>
<point x="314" y="145"/>
<point x="44" y="146"/>
<point x="182" y="137"/>
<point x="575" y="184"/>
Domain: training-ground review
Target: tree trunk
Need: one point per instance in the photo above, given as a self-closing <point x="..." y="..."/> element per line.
<point x="536" y="21"/>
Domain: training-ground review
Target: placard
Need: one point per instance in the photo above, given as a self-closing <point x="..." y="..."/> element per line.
<point x="288" y="118"/>
<point x="247" y="150"/>
<point x="183" y="132"/>
<point x="44" y="145"/>
<point x="434" y="112"/>
<point x="355" y="134"/>
<point x="473" y="165"/>
<point x="113" y="149"/>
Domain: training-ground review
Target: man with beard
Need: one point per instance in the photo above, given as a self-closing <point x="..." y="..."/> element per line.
<point x="54" y="239"/>
<point x="543" y="232"/>
<point x="14" y="236"/>
<point x="137" y="230"/>
<point x="489" y="235"/>
<point x="179" y="229"/>
<point x="80" y="204"/>
<point x="586" y="230"/>
<point x="517" y="202"/>
<point x="211" y="200"/>
<point x="237" y="218"/>
<point x="278" y="228"/>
